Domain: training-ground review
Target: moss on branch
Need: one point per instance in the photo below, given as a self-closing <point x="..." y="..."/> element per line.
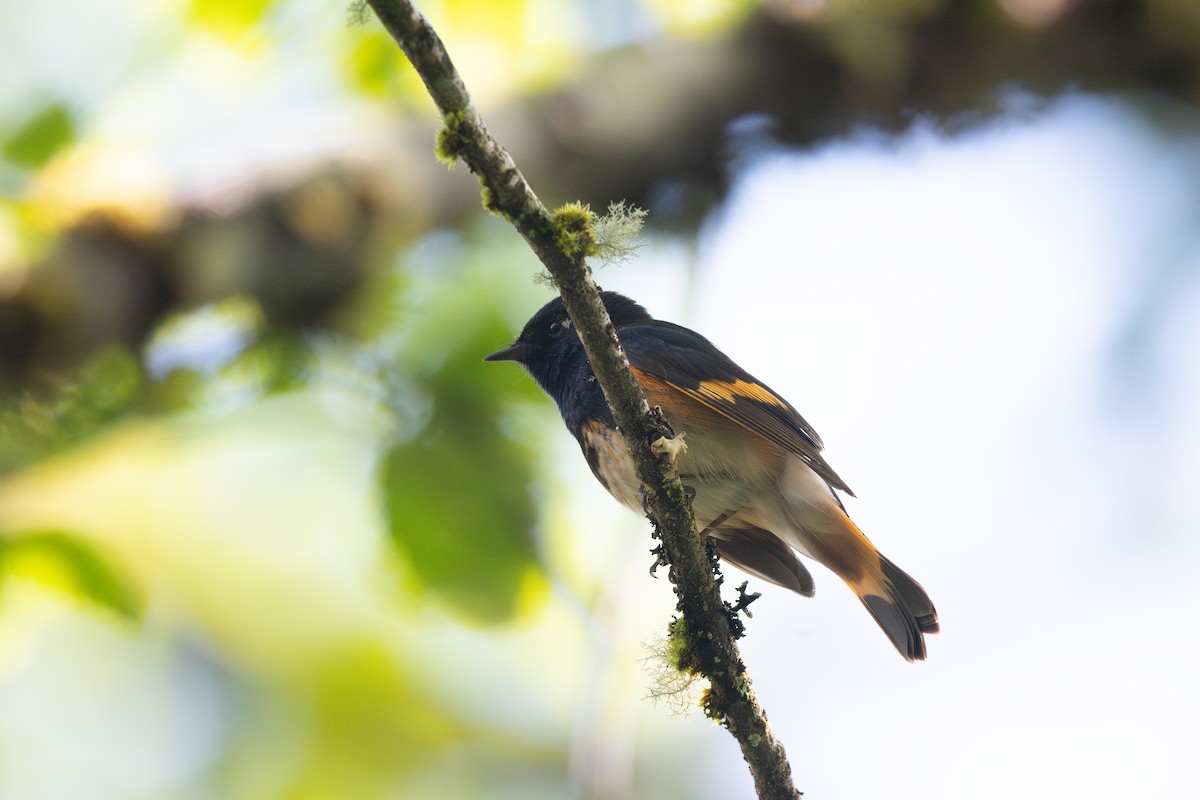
<point x="573" y="231"/>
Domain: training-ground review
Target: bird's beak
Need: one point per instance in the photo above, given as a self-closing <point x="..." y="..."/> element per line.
<point x="514" y="352"/>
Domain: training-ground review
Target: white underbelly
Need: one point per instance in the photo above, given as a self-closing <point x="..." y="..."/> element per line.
<point x="728" y="482"/>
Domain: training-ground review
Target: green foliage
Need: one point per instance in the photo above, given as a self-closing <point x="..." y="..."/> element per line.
<point x="61" y="561"/>
<point x="230" y="18"/>
<point x="108" y="479"/>
<point x="103" y="391"/>
<point x="44" y="134"/>
<point x="277" y="361"/>
<point x="374" y="64"/>
<point x="457" y="494"/>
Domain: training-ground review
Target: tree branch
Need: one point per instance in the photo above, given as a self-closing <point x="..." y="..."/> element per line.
<point x="561" y="241"/>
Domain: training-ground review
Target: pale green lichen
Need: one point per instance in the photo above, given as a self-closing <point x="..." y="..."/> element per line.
<point x="672" y="682"/>
<point x="616" y="232"/>
<point x="357" y="14"/>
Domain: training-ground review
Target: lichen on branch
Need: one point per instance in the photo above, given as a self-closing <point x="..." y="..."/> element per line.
<point x="616" y="232"/>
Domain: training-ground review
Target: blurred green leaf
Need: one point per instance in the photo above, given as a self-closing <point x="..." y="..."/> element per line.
<point x="458" y="495"/>
<point x="373" y="63"/>
<point x="227" y="17"/>
<point x="62" y="561"/>
<point x="42" y="136"/>
<point x="277" y="361"/>
<point x="102" y="392"/>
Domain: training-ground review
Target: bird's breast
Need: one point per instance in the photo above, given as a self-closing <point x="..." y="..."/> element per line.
<point x="611" y="462"/>
<point x="725" y="470"/>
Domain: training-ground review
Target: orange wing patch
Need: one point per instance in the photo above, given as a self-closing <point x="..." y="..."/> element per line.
<point x="730" y="391"/>
<point x="676" y="402"/>
<point x="768" y="416"/>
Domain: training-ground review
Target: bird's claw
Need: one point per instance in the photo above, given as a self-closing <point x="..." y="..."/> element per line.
<point x="662" y="428"/>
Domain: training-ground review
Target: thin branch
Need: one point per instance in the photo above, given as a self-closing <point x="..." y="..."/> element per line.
<point x="561" y="241"/>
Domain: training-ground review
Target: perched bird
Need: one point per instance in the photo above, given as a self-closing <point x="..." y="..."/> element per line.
<point x="759" y="485"/>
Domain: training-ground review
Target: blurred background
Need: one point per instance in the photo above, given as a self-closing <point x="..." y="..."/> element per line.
<point x="270" y="529"/>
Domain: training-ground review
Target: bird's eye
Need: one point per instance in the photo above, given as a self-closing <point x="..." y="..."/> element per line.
<point x="557" y="327"/>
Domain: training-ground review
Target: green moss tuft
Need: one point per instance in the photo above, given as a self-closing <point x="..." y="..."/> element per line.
<point x="573" y="230"/>
<point x="489" y="199"/>
<point x="450" y="141"/>
<point x="676" y="492"/>
<point x="680" y="650"/>
<point x="708" y="704"/>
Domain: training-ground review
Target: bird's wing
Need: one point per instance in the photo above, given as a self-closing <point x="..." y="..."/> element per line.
<point x="683" y="361"/>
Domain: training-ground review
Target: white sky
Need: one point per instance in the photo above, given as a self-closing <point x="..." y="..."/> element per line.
<point x="945" y="312"/>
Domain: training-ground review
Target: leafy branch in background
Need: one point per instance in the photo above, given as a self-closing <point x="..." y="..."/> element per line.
<point x="705" y="632"/>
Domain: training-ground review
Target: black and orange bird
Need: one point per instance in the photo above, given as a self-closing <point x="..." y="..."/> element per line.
<point x="760" y="487"/>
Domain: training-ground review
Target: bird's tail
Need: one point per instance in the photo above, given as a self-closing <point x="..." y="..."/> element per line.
<point x="900" y="606"/>
<point x="896" y="601"/>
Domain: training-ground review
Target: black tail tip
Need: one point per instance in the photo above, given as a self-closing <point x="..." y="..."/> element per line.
<point x="905" y="630"/>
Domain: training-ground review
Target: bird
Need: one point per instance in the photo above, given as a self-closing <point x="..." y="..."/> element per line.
<point x="752" y="465"/>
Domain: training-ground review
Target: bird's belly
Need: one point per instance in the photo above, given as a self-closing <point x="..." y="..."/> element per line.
<point x="719" y="474"/>
<point x="736" y="481"/>
<point x="799" y="508"/>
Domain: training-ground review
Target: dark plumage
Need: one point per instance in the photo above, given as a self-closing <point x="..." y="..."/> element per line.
<point x="762" y="488"/>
